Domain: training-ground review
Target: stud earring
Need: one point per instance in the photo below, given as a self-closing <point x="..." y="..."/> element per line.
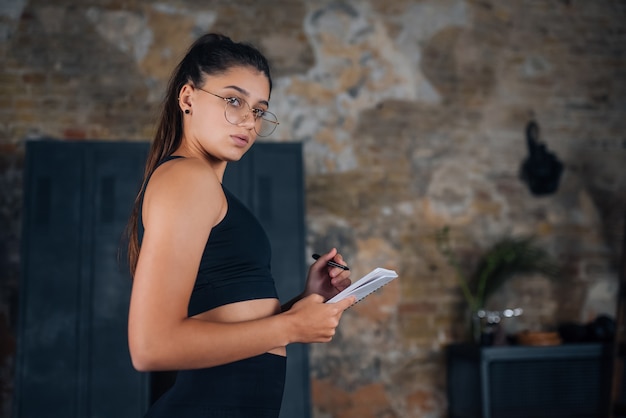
<point x="187" y="111"/>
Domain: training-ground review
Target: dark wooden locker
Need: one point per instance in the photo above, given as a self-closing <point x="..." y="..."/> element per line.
<point x="73" y="358"/>
<point x="269" y="180"/>
<point x="49" y="329"/>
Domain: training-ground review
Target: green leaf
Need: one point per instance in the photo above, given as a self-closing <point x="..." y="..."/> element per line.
<point x="508" y="257"/>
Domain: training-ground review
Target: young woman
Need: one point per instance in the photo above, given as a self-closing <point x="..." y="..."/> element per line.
<point x="203" y="298"/>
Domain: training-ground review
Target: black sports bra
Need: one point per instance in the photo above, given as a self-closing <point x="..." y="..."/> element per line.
<point x="235" y="263"/>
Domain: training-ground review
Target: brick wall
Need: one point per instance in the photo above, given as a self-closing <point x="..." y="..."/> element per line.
<point x="412" y="115"/>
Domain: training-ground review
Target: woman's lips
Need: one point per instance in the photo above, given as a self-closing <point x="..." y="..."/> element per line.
<point x="241" y="140"/>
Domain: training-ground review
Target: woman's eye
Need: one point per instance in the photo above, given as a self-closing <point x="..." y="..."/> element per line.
<point x="234" y="101"/>
<point x="258" y="113"/>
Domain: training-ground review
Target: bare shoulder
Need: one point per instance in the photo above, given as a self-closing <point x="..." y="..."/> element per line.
<point x="184" y="187"/>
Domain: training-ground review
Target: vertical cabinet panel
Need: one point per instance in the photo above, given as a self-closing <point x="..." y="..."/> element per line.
<point x="50" y="285"/>
<point x="73" y="358"/>
<point x="116" y="176"/>
<point x="278" y="199"/>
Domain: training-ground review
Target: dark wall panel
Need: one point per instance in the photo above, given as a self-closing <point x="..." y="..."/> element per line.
<point x="73" y="358"/>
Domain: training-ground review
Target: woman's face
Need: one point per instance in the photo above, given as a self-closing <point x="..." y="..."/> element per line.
<point x="238" y="94"/>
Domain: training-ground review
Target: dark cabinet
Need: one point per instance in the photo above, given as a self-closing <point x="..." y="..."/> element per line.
<point x="73" y="358"/>
<point x="569" y="380"/>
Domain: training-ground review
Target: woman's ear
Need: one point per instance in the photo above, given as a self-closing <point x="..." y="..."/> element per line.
<point x="185" y="98"/>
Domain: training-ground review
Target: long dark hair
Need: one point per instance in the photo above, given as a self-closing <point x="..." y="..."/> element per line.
<point x="211" y="54"/>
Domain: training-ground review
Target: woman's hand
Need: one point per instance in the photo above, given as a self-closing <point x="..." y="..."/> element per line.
<point x="314" y="321"/>
<point x="325" y="280"/>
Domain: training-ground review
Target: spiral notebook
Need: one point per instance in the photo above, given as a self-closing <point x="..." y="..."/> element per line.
<point x="366" y="285"/>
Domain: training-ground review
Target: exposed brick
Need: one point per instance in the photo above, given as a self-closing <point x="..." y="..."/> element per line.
<point x="34" y="78"/>
<point x="74" y="133"/>
<point x="413" y="117"/>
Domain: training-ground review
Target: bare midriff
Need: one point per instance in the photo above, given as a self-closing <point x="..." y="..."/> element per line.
<point x="247" y="310"/>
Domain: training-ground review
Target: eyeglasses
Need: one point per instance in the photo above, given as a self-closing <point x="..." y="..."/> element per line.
<point x="235" y="112"/>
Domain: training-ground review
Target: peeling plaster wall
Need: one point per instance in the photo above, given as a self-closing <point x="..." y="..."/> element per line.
<point x="412" y="116"/>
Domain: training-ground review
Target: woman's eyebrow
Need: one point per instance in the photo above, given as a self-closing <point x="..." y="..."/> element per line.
<point x="245" y="93"/>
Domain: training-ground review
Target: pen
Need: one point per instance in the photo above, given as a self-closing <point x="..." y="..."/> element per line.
<point x="332" y="263"/>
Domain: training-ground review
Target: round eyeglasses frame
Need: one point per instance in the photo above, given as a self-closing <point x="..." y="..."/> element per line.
<point x="269" y="121"/>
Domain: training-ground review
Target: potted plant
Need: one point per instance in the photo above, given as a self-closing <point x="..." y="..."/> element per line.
<point x="507" y="257"/>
